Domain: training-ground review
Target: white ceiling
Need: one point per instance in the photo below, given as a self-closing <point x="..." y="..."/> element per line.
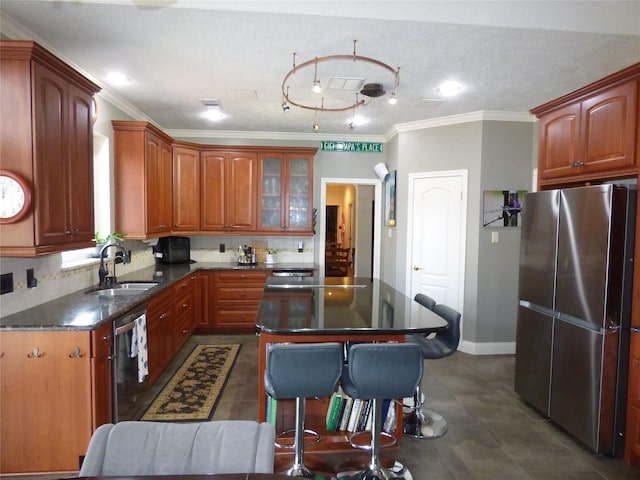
<point x="510" y="56"/>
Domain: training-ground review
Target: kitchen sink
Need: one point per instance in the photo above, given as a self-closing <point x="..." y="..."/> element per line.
<point x="123" y="289"/>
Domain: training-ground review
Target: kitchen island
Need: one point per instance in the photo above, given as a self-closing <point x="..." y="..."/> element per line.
<point x="332" y="309"/>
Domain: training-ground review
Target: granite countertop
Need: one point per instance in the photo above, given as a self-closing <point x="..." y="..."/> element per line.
<point x="80" y="311"/>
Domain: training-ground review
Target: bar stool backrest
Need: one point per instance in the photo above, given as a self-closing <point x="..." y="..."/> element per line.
<point x="450" y="339"/>
<point x="303" y="370"/>
<point x="382" y="370"/>
<point x="425" y="300"/>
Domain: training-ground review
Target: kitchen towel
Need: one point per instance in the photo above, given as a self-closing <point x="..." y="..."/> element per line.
<point x="139" y="347"/>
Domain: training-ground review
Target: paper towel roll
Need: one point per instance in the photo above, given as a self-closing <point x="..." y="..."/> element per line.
<point x="381" y="170"/>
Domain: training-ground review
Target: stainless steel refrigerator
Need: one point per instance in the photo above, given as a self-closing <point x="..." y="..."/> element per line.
<point x="574" y="313"/>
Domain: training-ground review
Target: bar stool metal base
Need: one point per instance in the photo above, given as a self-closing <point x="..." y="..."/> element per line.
<point x="424" y="423"/>
<point x="313" y="433"/>
<point x="375" y="472"/>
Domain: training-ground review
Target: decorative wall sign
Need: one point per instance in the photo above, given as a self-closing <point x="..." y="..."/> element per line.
<point x="390" y="199"/>
<point x="502" y="208"/>
<point x="366" y="147"/>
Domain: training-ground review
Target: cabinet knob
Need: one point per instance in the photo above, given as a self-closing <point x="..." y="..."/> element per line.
<point x="185" y="305"/>
<point x="184" y="332"/>
<point x="185" y="285"/>
<point x="76" y="353"/>
<point x="72" y="231"/>
<point x="106" y="338"/>
<point x="416" y="268"/>
<point x="35" y="353"/>
<point x="163" y="316"/>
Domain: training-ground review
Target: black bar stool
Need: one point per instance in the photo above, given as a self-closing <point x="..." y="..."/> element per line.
<point x="378" y="371"/>
<point x="423" y="422"/>
<point x="302" y="371"/>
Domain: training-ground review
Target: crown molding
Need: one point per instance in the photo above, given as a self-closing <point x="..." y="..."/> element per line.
<point x="479" y="116"/>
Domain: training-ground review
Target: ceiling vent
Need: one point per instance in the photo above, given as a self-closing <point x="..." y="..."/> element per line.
<point x="211" y="103"/>
<point x="372" y="90"/>
<point x="345" y="83"/>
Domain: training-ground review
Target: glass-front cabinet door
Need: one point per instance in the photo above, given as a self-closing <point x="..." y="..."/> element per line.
<point x="285" y="197"/>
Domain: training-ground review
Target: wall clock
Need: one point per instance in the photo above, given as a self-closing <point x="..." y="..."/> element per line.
<point x="15" y="197"/>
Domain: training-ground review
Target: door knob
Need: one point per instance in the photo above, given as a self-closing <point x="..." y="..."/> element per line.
<point x="417" y="268"/>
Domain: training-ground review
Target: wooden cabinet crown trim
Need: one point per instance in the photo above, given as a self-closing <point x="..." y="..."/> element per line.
<point x="29" y="50"/>
<point x="136" y="126"/>
<point x="604" y="83"/>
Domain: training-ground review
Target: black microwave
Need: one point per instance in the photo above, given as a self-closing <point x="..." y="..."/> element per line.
<point x="173" y="250"/>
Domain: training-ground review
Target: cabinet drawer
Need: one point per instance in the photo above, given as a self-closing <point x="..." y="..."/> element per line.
<point x="237" y="293"/>
<point x="242" y="277"/>
<point x="160" y="303"/>
<point x="235" y="318"/>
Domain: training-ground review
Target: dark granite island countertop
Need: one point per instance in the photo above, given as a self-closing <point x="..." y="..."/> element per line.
<point x="80" y="311"/>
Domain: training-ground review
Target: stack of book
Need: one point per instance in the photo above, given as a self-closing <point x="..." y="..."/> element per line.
<point x="354" y="415"/>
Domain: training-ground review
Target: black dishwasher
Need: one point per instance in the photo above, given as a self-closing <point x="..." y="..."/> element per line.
<point x="127" y="389"/>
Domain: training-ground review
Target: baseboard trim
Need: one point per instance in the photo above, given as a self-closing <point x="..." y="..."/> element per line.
<point x="487" y="348"/>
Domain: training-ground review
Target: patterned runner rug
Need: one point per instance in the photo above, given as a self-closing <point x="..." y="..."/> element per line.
<point x="192" y="393"/>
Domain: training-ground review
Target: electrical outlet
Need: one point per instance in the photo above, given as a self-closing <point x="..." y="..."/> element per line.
<point x="32" y="281"/>
<point x="6" y="283"/>
<point x="222" y="248"/>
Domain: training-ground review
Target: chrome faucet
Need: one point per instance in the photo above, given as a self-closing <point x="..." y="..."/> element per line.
<point x="103" y="271"/>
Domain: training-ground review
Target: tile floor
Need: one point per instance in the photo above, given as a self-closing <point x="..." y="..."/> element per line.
<point x="492" y="433"/>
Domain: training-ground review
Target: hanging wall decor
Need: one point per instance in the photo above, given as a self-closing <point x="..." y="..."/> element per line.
<point x="502" y="208"/>
<point x="390" y="199"/>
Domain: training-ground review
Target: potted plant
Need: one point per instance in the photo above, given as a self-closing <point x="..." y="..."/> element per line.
<point x="271" y="255"/>
<point x="102" y="241"/>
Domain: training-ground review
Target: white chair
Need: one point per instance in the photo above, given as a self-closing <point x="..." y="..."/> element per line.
<point x="156" y="448"/>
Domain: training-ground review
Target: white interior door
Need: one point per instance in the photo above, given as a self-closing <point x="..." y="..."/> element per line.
<point x="437" y="231"/>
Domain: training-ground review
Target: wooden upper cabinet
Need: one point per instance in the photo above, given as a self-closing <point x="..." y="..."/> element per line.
<point x="285" y="187"/>
<point x="47" y="138"/>
<point x="609" y="127"/>
<point x="591" y="134"/>
<point x="164" y="186"/>
<point x="143" y="179"/>
<point x="228" y="186"/>
<point x="186" y="189"/>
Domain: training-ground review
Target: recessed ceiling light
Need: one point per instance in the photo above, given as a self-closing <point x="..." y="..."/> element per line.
<point x="213" y="114"/>
<point x="117" y="78"/>
<point x="357" y="120"/>
<point x="449" y="88"/>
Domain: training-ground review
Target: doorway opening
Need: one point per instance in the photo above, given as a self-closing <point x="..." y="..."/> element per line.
<point x="350" y="223"/>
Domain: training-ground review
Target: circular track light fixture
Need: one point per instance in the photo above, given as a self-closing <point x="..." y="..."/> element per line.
<point x="371" y="90"/>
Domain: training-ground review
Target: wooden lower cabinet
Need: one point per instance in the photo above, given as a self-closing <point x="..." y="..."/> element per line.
<point x="184" y="293"/>
<point x="170" y="322"/>
<point x="229" y="300"/>
<point x="54" y="389"/>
